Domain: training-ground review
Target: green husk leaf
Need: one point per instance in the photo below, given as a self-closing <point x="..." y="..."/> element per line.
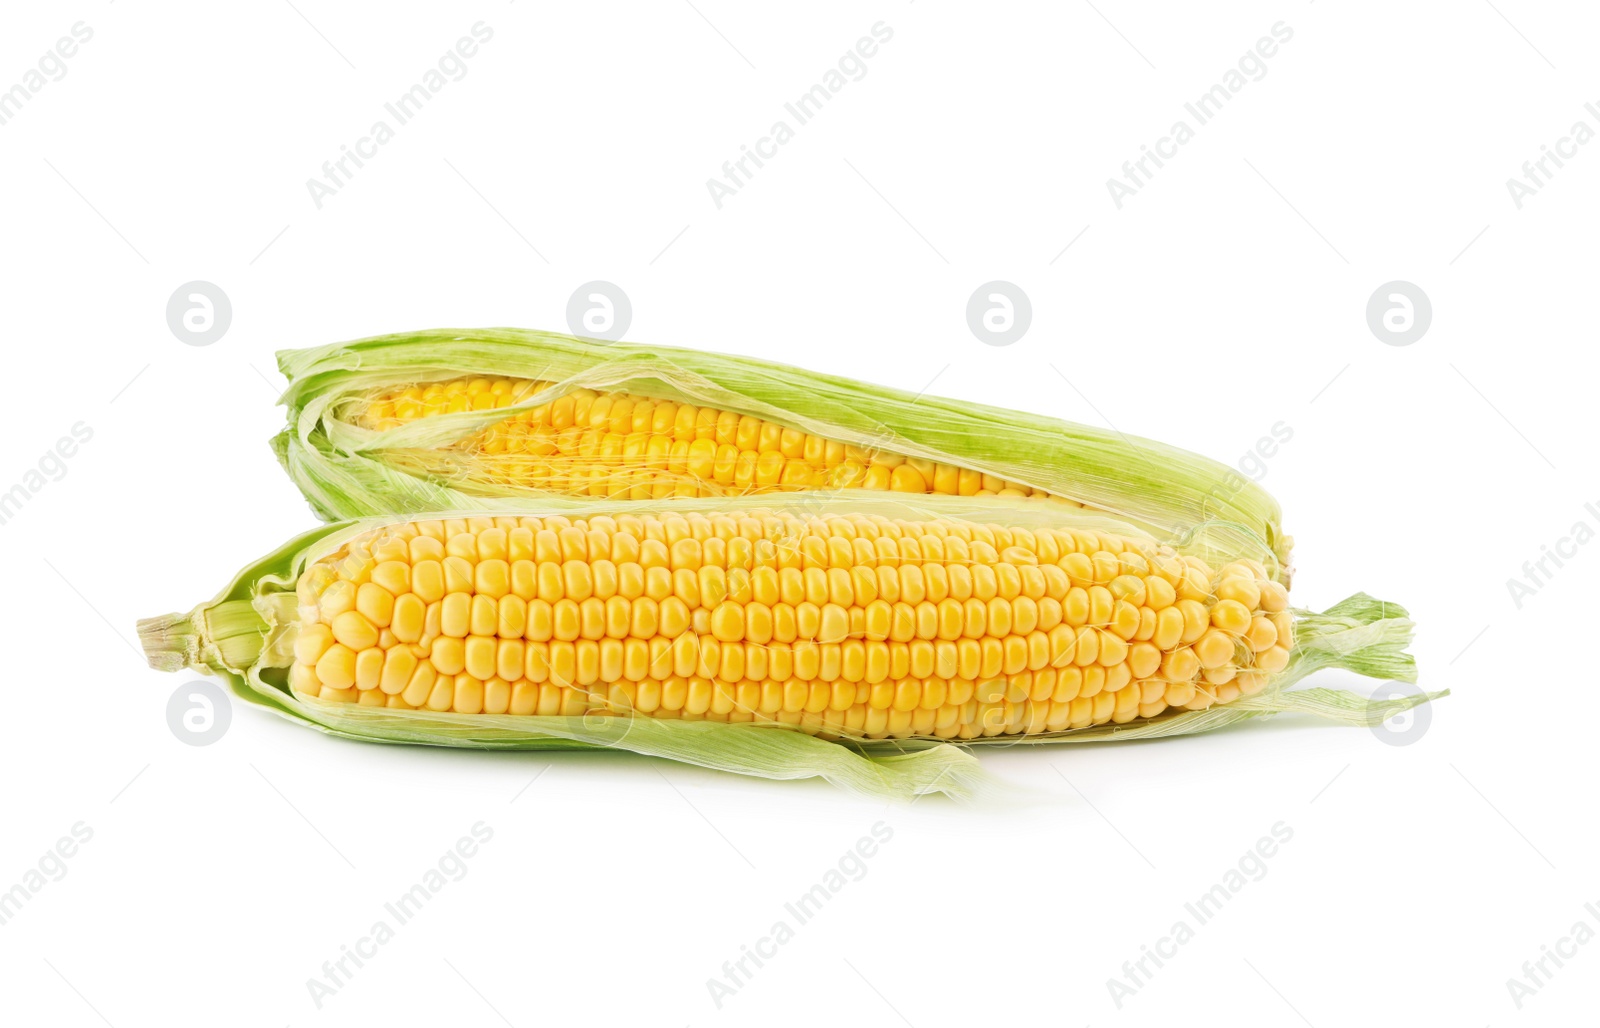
<point x="765" y="751"/>
<point x="345" y="471"/>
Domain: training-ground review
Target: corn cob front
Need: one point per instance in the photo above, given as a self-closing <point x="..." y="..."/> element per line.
<point x="623" y="445"/>
<point x="855" y="642"/>
<point x="853" y="625"/>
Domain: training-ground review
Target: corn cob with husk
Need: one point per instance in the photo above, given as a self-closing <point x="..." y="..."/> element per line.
<point x="459" y="420"/>
<point x="854" y="637"/>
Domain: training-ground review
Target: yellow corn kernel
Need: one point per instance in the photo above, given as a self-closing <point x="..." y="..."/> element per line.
<point x="1231" y="616"/>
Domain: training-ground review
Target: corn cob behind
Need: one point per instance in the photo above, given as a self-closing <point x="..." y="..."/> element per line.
<point x="619" y="444"/>
<point x="454" y="420"/>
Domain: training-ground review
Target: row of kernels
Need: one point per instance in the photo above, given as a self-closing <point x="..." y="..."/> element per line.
<point x="880" y="714"/>
<point x="407" y="403"/>
<point x="1085" y="655"/>
<point x="945" y="633"/>
<point x="755" y="568"/>
<point x="578" y="480"/>
<point x="1020" y="625"/>
<point x="684" y="472"/>
<point x="735" y="450"/>
<point x="1050" y="544"/>
<point x="709" y="585"/>
<point x="620" y="554"/>
<point x="739" y="607"/>
<point x="782" y="544"/>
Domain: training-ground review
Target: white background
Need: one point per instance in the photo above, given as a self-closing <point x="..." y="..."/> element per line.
<point x="1226" y="296"/>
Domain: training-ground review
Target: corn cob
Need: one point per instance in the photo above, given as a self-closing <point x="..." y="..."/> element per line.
<point x="679" y="631"/>
<point x="635" y="447"/>
<point x="848" y="624"/>
<point x="464" y="420"/>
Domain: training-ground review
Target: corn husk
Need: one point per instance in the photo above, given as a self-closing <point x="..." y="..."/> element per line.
<point x="346" y="471"/>
<point x="245" y="635"/>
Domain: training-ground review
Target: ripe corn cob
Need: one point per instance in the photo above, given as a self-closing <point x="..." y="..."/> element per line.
<point x="465" y="420"/>
<point x="851" y="625"/>
<point x="636" y="447"/>
<point x="856" y="643"/>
